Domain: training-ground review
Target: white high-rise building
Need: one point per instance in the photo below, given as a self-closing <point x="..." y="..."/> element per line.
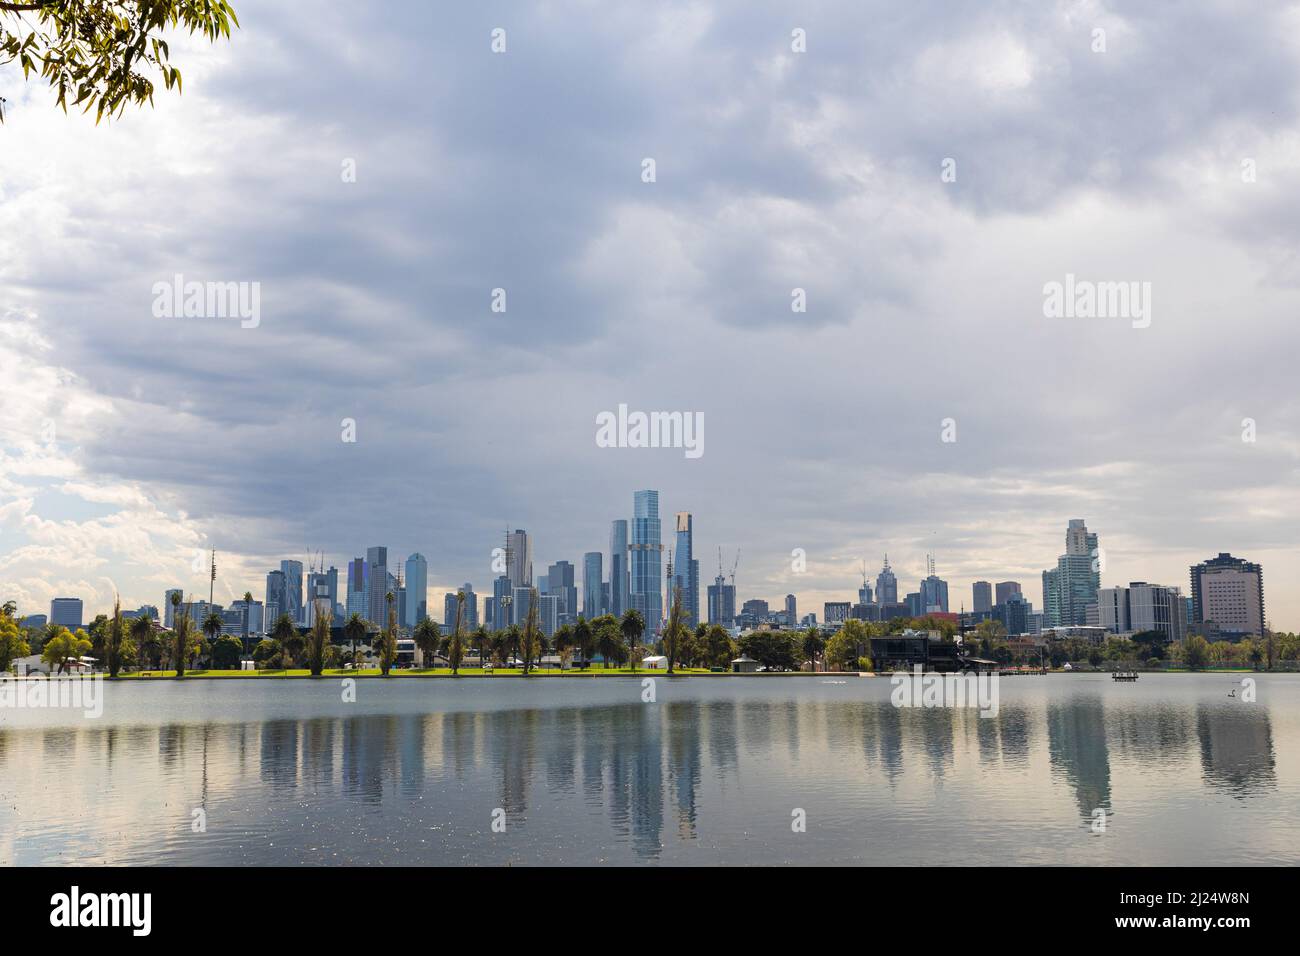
<point x="1143" y="607"/>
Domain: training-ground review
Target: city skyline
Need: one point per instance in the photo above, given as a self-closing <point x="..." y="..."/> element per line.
<point x="932" y="589"/>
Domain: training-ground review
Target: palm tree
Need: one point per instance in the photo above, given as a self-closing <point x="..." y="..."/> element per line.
<point x="456" y="648"/>
<point x="675" y="630"/>
<point x="531" y="631"/>
<point x="608" y="640"/>
<point x="388" y="639"/>
<point x="319" y="641"/>
<point x="115" y="638"/>
<point x="354" y="630"/>
<point x="248" y="613"/>
<point x="286" y="635"/>
<point x="145" y="636"/>
<point x="480" y="641"/>
<point x="212" y="628"/>
<point x="512" y="642"/>
<point x="427" y="636"/>
<point x="500" y="642"/>
<point x="633" y="626"/>
<point x="184" y="633"/>
<point x="584" y="639"/>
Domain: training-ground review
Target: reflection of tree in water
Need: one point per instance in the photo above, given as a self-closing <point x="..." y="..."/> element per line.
<point x="1015" y="733"/>
<point x="1155" y="735"/>
<point x="1236" y="747"/>
<point x="514" y="739"/>
<point x="562" y="751"/>
<point x="280" y="753"/>
<point x="318" y="752"/>
<point x="1076" y="744"/>
<point x="1004" y="738"/>
<point x="936" y="729"/>
<point x="600" y="733"/>
<point x="888" y="735"/>
<point x="722" y="718"/>
<point x="756" y="724"/>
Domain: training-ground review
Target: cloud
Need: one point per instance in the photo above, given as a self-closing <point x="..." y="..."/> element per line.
<point x="775" y="170"/>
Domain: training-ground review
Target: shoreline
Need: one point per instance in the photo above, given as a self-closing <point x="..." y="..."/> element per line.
<point x="513" y="673"/>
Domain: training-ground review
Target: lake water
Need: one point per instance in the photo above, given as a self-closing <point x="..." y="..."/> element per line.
<point x="582" y="771"/>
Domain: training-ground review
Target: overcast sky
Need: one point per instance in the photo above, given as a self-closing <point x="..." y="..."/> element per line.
<point x="128" y="442"/>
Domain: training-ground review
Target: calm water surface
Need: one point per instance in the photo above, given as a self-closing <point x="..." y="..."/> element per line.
<point x="586" y="773"/>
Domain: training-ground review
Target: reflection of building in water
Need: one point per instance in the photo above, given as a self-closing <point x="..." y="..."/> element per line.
<point x="1076" y="744"/>
<point x="683" y="723"/>
<point x="647" y="807"/>
<point x="723" y="720"/>
<point x="280" y="753"/>
<point x="1236" y="747"/>
<point x="881" y="732"/>
<point x="367" y="755"/>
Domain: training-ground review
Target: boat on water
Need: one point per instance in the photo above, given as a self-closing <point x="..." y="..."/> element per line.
<point x="1124" y="675"/>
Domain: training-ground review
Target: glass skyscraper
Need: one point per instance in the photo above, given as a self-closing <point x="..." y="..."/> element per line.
<point x="646" y="561"/>
<point x="593" y="603"/>
<point x="417" y="590"/>
<point x="377" y="586"/>
<point x="618" y="582"/>
<point x="1072" y="586"/>
<point x="686" y="570"/>
<point x="356" y="599"/>
<point x="886" y="585"/>
<point x="292" y="571"/>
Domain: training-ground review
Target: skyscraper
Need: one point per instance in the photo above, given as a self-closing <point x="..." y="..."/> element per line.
<point x="377" y="585"/>
<point x="1229" y="592"/>
<point x="471" y="606"/>
<point x="618" y="577"/>
<point x="1143" y="607"/>
<point x="1072" y="587"/>
<point x="864" y="592"/>
<point x="1003" y="590"/>
<point x="560" y="582"/>
<point x="502" y="603"/>
<point x="886" y="585"/>
<point x="275" y="599"/>
<point x="722" y="601"/>
<point x="934" y="594"/>
<point x="66" y="612"/>
<point x="417" y="589"/>
<point x="322" y="593"/>
<point x="791" y="611"/>
<point x="646" y="561"/>
<point x="592" y="585"/>
<point x="983" y="594"/>
<point x="686" y="569"/>
<point x="292" y="571"/>
<point x="519" y="552"/>
<point x="356" y="597"/>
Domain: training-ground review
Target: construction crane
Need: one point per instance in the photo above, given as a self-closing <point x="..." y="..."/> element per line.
<point x="733" y="568"/>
